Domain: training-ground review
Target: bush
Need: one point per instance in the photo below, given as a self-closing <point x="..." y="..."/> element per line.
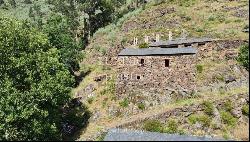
<point x="203" y="119"/>
<point x="211" y="18"/>
<point x="141" y="106"/>
<point x="144" y="45"/>
<point x="90" y="100"/>
<point x="124" y="103"/>
<point x="227" y="118"/>
<point x="228" y="106"/>
<point x="243" y="57"/>
<point x="208" y="108"/>
<point x="153" y="126"/>
<point x="245" y="110"/>
<point x="220" y="78"/>
<point x="172" y="127"/>
<point x="199" y="30"/>
<point x="199" y="68"/>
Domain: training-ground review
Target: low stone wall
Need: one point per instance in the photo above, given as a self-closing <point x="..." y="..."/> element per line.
<point x="183" y="112"/>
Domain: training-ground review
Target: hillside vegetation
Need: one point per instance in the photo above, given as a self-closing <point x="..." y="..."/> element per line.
<point x="52" y="53"/>
<point x="221" y="19"/>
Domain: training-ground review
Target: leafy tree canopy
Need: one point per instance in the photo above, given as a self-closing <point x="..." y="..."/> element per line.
<point x="34" y="84"/>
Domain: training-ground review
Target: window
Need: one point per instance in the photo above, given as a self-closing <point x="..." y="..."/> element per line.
<point x="142" y="61"/>
<point x="167" y="62"/>
<point x="138" y="77"/>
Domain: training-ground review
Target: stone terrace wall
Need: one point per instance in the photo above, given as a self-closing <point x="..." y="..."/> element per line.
<point x="183" y="112"/>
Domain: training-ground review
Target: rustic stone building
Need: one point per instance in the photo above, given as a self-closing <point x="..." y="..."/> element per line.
<point x="156" y="71"/>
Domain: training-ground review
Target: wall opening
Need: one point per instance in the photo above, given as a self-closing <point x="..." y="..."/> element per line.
<point x="138" y="77"/>
<point x="167" y="62"/>
<point x="142" y="61"/>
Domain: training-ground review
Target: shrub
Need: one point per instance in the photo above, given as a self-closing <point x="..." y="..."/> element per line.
<point x="90" y="100"/>
<point x="144" y="45"/>
<point x="222" y="91"/>
<point x="193" y="119"/>
<point x="124" y="103"/>
<point x="199" y="68"/>
<point x="227" y="118"/>
<point x="211" y="18"/>
<point x="188" y="18"/>
<point x="220" y="78"/>
<point x="228" y="106"/>
<point x="141" y="106"/>
<point x="243" y="57"/>
<point x="208" y="108"/>
<point x="153" y="126"/>
<point x="245" y="110"/>
<point x="172" y="127"/>
<point x="200" y="30"/>
<point x="203" y="119"/>
<point x="101" y="137"/>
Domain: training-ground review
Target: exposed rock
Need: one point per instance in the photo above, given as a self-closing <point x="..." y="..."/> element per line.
<point x="89" y="89"/>
<point x="96" y="115"/>
<point x="229" y="79"/>
<point x="197" y="125"/>
<point x="237" y="112"/>
<point x="216" y="119"/>
<point x="100" y="78"/>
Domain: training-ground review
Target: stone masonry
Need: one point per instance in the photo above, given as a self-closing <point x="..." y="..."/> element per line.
<point x="139" y="74"/>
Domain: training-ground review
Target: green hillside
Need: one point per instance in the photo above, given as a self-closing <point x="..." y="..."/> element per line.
<point x="55" y="84"/>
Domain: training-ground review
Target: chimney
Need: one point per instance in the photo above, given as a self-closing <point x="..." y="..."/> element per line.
<point x="135" y="41"/>
<point x="170" y="35"/>
<point x="146" y="39"/>
<point x="157" y="37"/>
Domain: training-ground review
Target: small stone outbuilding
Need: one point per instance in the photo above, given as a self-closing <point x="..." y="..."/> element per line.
<point x="156" y="70"/>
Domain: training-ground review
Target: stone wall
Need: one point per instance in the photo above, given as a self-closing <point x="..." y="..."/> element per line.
<point x="153" y="77"/>
<point x="183" y="112"/>
<point x="153" y="84"/>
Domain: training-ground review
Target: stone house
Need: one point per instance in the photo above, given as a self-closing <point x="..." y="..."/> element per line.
<point x="156" y="70"/>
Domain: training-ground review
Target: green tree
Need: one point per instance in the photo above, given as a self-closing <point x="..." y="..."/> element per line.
<point x="243" y="58"/>
<point x="34" y="84"/>
<point x="60" y="36"/>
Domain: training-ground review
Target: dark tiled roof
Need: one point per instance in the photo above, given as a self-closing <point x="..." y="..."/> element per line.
<point x="174" y="43"/>
<point x="156" y="51"/>
<point x="133" y="135"/>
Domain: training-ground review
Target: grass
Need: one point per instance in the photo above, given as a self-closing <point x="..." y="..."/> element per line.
<point x="141" y="106"/>
<point x="199" y="68"/>
<point x="153" y="126"/>
<point x="245" y="110"/>
<point x="144" y="45"/>
<point x="101" y="137"/>
<point x="124" y="103"/>
<point x="172" y="127"/>
<point x="208" y="108"/>
<point x="228" y="106"/>
<point x="228" y="119"/>
<point x="90" y="100"/>
<point x="205" y="120"/>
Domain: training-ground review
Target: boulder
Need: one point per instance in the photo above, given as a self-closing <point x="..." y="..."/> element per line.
<point x="216" y="119"/>
<point x="229" y="79"/>
<point x="237" y="112"/>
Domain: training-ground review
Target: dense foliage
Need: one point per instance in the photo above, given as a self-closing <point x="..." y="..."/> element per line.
<point x="244" y="56"/>
<point x="60" y="37"/>
<point x="34" y="84"/>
